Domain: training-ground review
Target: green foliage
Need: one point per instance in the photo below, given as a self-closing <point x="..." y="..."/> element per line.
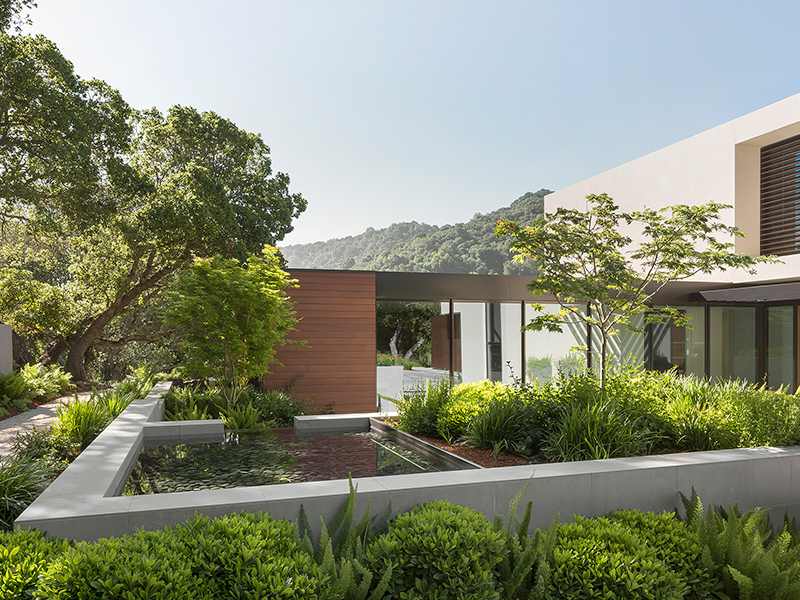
<point x="418" y="409"/>
<point x="21" y="481"/>
<point x="465" y="403"/>
<point x="242" y="416"/>
<point x="742" y="550"/>
<point x="525" y="570"/>
<point x="79" y="422"/>
<point x="582" y="257"/>
<point x="277" y="408"/>
<point x="244" y="555"/>
<point x="45" y="383"/>
<point x="439" y="551"/>
<point x="462" y="248"/>
<point x="500" y="425"/>
<point x="597" y="431"/>
<point x="602" y="558"/>
<point x="403" y="328"/>
<point x="101" y="205"/>
<point x="187" y="404"/>
<point x="14" y="393"/>
<point x="24" y="555"/>
<point x="387" y="360"/>
<point x="232" y="317"/>
<point x="674" y="543"/>
<point x="341" y="547"/>
<point x="138" y="382"/>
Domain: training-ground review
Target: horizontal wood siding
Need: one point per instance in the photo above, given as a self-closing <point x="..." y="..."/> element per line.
<point x="337" y="368"/>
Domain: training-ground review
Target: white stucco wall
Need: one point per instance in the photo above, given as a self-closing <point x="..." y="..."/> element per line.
<point x="510" y="321"/>
<point x="473" y="340"/>
<point x="721" y="164"/>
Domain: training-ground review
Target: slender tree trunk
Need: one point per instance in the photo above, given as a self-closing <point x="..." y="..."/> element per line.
<point x="395" y="337"/>
<point x="414" y="348"/>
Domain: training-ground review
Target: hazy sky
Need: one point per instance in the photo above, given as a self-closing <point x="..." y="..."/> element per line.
<point x="433" y="110"/>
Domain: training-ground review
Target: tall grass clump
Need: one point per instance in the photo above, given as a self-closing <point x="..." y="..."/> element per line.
<point x="21" y="481"/>
<point x="139" y="382"/>
<point x="80" y="422"/>
<point x="419" y="408"/>
<point x="597" y="431"/>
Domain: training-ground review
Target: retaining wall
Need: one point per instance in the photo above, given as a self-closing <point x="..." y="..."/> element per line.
<point x="81" y="504"/>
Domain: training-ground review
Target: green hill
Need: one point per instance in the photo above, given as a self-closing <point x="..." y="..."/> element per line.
<point x="461" y="248"/>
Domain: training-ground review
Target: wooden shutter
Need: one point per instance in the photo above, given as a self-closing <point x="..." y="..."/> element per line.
<point x="780" y="197"/>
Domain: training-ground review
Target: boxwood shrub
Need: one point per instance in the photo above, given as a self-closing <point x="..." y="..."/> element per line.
<point x="437" y="551"/>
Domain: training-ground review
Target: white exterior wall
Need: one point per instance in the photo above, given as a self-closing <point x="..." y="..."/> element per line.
<point x="721" y="165"/>
<point x="473" y="340"/>
<point x="511" y="340"/>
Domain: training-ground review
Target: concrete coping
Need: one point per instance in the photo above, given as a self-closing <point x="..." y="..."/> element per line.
<point x="82" y="503"/>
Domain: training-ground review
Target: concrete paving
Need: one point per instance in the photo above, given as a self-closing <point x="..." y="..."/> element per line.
<point x="36" y="418"/>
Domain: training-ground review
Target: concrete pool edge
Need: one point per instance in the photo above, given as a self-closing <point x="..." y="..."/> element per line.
<point x="81" y="503"/>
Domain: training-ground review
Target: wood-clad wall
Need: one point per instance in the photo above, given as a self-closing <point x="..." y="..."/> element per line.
<point x="337" y="311"/>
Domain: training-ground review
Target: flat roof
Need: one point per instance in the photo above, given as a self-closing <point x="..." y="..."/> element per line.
<point x="463" y="287"/>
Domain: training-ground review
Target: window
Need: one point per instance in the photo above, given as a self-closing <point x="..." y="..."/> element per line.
<point x="780" y="197"/>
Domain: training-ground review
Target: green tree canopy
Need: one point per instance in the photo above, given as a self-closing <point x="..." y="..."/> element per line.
<point x="582" y="257"/>
<point x="106" y="204"/>
<point x="60" y="136"/>
<point x="232" y="316"/>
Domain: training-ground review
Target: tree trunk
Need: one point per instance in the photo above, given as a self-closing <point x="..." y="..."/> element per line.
<point x="414" y="348"/>
<point x="395" y="336"/>
<point x="53" y="352"/>
<point x="19" y="350"/>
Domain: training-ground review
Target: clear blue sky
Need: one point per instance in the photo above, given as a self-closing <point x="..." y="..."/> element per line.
<point x="433" y="110"/>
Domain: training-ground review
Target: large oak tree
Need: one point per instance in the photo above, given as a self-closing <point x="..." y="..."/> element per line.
<point x="101" y="205"/>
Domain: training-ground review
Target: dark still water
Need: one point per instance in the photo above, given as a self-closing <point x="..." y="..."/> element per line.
<point x="248" y="458"/>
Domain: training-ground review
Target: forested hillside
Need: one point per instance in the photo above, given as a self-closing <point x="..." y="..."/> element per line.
<point x="461" y="248"/>
<point x="343" y="253"/>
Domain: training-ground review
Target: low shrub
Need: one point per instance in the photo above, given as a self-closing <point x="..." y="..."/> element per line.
<point x="419" y="408"/>
<point x="278" y="409"/>
<point x="439" y="550"/>
<point x="465" y="403"/>
<point x="599" y="558"/>
<point x="237" y="556"/>
<point x="14" y="393"/>
<point x="674" y="543"/>
<point x="45" y="383"/>
<point x="24" y="555"/>
<point x="242" y="416"/>
<point x="21" y="481"/>
<point x="138" y="382"/>
<point x="187" y="404"/>
<point x="387" y="360"/>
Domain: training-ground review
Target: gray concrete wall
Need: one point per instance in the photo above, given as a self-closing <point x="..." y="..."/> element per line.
<point x="81" y="503"/>
<point x="6" y="353"/>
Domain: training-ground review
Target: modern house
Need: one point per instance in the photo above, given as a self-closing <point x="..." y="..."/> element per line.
<point x="744" y="326"/>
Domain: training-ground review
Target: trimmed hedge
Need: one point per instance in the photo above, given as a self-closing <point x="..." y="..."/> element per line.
<point x="436" y="551"/>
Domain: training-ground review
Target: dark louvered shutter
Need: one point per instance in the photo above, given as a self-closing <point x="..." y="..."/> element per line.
<point x="780" y="197"/>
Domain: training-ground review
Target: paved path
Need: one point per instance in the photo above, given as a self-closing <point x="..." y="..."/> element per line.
<point x="36" y="418"/>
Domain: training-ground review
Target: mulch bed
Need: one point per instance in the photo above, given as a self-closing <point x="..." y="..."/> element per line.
<point x="481" y="456"/>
